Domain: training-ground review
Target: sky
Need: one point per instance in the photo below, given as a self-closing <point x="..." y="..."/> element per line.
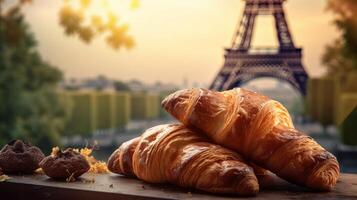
<point x="175" y="39"/>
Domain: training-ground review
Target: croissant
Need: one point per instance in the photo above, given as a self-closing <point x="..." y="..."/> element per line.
<point x="258" y="128"/>
<point x="175" y="154"/>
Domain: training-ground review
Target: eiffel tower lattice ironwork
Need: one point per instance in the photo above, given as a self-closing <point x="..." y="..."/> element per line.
<point x="243" y="63"/>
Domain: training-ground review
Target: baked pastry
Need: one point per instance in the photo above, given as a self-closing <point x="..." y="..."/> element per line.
<point x="96" y="166"/>
<point x="18" y="157"/>
<point x="258" y="128"/>
<point x="175" y="154"/>
<point x="68" y="164"/>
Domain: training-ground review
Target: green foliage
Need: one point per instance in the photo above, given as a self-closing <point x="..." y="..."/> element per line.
<point x="83" y="120"/>
<point x="96" y="110"/>
<point x="349" y="127"/>
<point x="81" y="18"/>
<point x="343" y="99"/>
<point x="335" y="62"/>
<point x="340" y="56"/>
<point x="105" y="103"/>
<point x="350" y="83"/>
<point x="121" y="86"/>
<point x="122" y="109"/>
<point x="144" y="106"/>
<point x="82" y="21"/>
<point x="348" y="101"/>
<point x="312" y="88"/>
<point x="322" y="99"/>
<point x="325" y="101"/>
<point x="152" y="106"/>
<point x="138" y="106"/>
<point x="29" y="107"/>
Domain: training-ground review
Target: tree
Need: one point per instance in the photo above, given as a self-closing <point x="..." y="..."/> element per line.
<point x="29" y="106"/>
<point x="121" y="86"/>
<point x="340" y="57"/>
<point x="78" y="18"/>
<point x="80" y="21"/>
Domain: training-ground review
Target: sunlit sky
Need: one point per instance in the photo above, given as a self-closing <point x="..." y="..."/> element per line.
<point x="175" y="39"/>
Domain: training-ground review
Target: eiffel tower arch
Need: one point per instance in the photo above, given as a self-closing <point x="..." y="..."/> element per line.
<point x="243" y="63"/>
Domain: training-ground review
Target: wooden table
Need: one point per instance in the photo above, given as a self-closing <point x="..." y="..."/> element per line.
<point x="110" y="186"/>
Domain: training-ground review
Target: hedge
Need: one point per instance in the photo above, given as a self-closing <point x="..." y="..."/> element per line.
<point x="322" y="99"/>
<point x="351" y="82"/>
<point x="326" y="96"/>
<point x="162" y="112"/>
<point x="105" y="105"/>
<point x="144" y="106"/>
<point x="122" y="109"/>
<point x="106" y="110"/>
<point x="83" y="115"/>
<point x="348" y="101"/>
<point x="349" y="125"/>
<point x="312" y="101"/>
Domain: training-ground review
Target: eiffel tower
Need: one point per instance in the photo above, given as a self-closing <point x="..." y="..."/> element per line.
<point x="243" y="63"/>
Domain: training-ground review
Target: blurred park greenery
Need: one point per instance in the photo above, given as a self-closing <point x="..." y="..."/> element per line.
<point x="29" y="107"/>
<point x="349" y="128"/>
<point x="332" y="98"/>
<point x="340" y="57"/>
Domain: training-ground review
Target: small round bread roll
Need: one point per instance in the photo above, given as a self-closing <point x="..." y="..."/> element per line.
<point x="18" y="157"/>
<point x="64" y="164"/>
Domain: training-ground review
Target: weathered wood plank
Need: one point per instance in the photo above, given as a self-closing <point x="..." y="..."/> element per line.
<point x="110" y="186"/>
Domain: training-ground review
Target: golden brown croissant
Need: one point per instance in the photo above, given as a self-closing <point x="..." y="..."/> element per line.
<point x="175" y="154"/>
<point x="258" y="128"/>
